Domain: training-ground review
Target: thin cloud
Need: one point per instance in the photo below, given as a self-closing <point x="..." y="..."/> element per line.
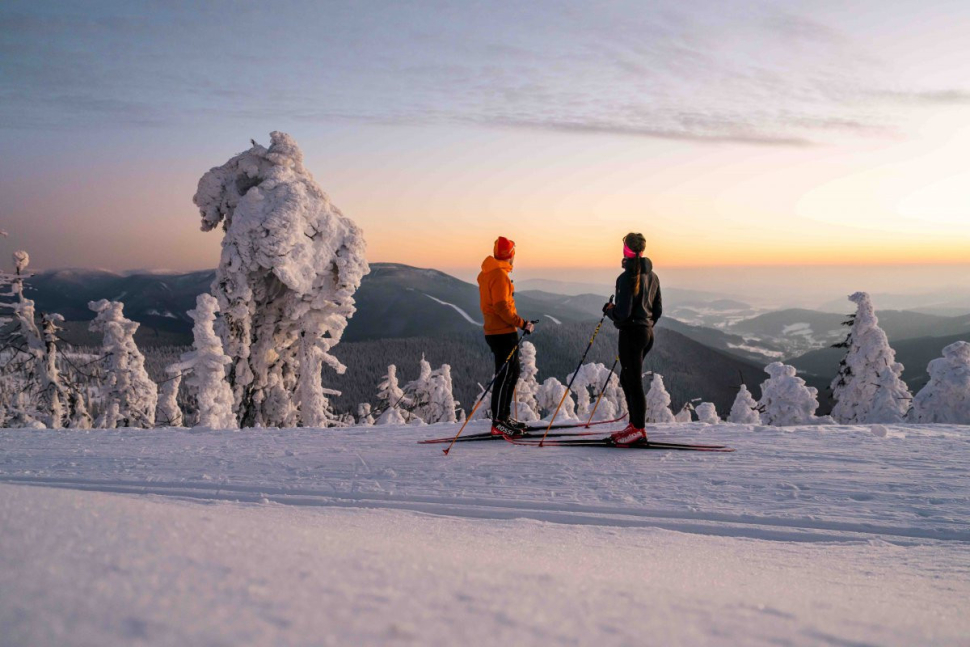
<point x="925" y="97"/>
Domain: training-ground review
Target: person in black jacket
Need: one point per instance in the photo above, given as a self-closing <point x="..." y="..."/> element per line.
<point x="637" y="308"/>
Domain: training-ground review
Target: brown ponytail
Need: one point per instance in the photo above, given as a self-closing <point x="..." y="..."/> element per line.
<point x="636" y="243"/>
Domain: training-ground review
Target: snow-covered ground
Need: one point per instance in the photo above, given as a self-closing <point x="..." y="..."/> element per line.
<point x="815" y="535"/>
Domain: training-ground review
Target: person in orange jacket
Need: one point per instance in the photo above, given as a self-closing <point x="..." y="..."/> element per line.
<point x="501" y="323"/>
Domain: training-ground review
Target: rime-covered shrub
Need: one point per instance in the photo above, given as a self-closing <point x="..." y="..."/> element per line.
<point x="442" y="406"/>
<point x="390" y="396"/>
<point x="364" y="417"/>
<point x="550" y="394"/>
<point x="785" y="400"/>
<point x="658" y="401"/>
<point x="168" y="413"/>
<point x="526" y="405"/>
<point x="684" y="414"/>
<point x="744" y="411"/>
<point x="419" y="392"/>
<point x="707" y="413"/>
<point x="946" y="397"/>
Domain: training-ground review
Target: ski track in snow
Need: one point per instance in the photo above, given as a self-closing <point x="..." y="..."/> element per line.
<point x="361" y="536"/>
<point x="460" y="311"/>
<point x="827" y="483"/>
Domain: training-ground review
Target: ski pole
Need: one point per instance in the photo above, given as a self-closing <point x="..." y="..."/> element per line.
<point x="488" y="388"/>
<point x="575" y="373"/>
<point x="602" y="391"/>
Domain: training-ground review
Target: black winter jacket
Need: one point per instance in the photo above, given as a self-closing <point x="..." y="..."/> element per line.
<point x="643" y="309"/>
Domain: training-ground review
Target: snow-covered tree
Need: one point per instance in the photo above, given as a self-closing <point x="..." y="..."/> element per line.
<point x="205" y="368"/>
<point x="707" y="413"/>
<point x="744" y="411"/>
<point x="391" y="396"/>
<point x="291" y="263"/>
<point x="946" y="397"/>
<point x="586" y="378"/>
<point x="869" y="388"/>
<point x="550" y="393"/>
<point x="391" y="416"/>
<point x="785" y="400"/>
<point x="364" y="416"/>
<point x="526" y="390"/>
<point x="484" y="411"/>
<point x="419" y="392"/>
<point x="77" y="410"/>
<point x="684" y="414"/>
<point x="658" y="401"/>
<point x="614" y="395"/>
<point x="33" y="353"/>
<point x="130" y="396"/>
<point x="442" y="406"/>
<point x="168" y="413"/>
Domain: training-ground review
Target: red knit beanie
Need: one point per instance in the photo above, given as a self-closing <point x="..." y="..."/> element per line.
<point x="504" y="248"/>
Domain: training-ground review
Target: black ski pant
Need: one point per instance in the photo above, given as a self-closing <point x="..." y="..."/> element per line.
<point x="635" y="343"/>
<point x="508" y="374"/>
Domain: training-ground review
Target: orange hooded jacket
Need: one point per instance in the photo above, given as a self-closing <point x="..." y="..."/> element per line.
<point x="497" y="296"/>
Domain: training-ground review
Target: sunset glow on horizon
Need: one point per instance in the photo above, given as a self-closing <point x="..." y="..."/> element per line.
<point x="810" y="136"/>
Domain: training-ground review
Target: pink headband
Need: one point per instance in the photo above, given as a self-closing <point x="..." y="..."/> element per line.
<point x="629" y="253"/>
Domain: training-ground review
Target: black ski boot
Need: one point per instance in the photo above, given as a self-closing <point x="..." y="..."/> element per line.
<point x="508" y="427"/>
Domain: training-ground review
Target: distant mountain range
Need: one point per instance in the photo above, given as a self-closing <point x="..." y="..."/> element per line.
<point x="398" y="302"/>
<point x="796" y="331"/>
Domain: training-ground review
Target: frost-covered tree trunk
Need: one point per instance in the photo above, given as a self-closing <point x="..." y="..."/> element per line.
<point x="946" y="397"/>
<point x="707" y="413"/>
<point x="205" y="367"/>
<point x="527" y="388"/>
<point x="869" y="388"/>
<point x="130" y="395"/>
<point x="744" y="411"/>
<point x="785" y="400"/>
<point x="168" y="413"/>
<point x="658" y="401"/>
<point x="291" y="263"/>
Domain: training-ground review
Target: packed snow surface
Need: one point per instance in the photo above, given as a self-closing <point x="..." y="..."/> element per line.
<point x="805" y="535"/>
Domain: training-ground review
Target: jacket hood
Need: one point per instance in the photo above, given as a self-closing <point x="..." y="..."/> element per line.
<point x="646" y="265"/>
<point x="492" y="263"/>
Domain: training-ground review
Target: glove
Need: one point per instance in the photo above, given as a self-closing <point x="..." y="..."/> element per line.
<point x="607" y="307"/>
<point x="528" y="327"/>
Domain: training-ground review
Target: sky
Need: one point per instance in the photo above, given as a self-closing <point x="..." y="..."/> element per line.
<point x="757" y="134"/>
